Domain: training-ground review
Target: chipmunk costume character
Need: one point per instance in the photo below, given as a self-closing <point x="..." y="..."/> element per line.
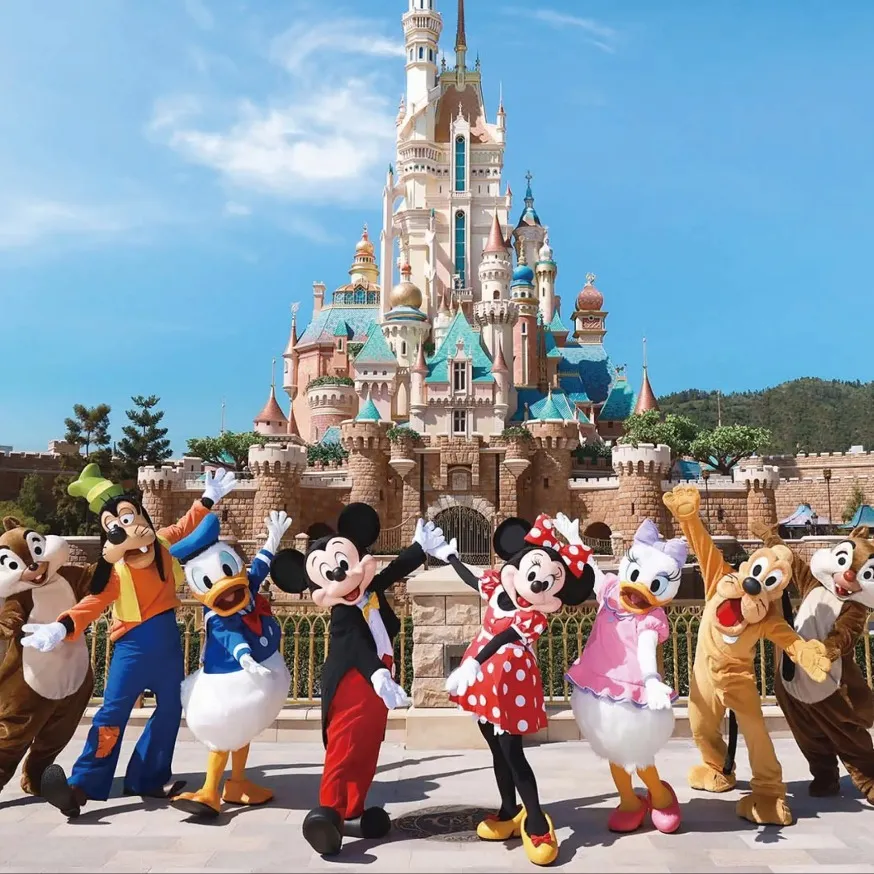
<point x="358" y="688"/>
<point x="244" y="681"/>
<point x="499" y="681"/>
<point x="620" y="703"/>
<point x="137" y="576"/>
<point x="42" y="694"/>
<point x="741" y="608"/>
<point x="831" y="720"/>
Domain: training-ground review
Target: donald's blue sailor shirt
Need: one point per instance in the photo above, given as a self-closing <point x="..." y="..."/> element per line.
<point x="229" y="638"/>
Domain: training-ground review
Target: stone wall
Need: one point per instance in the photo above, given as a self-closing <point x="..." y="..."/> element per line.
<point x="815" y="492"/>
<point x="16" y="466"/>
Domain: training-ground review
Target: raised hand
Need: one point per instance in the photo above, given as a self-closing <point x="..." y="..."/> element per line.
<point x="277" y="523"/>
<point x="684" y="502"/>
<point x="432" y="541"/>
<point x="569" y="530"/>
<point x="218" y="484"/>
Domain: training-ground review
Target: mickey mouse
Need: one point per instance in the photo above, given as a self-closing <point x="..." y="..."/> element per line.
<point x="499" y="680"/>
<point x="357" y="685"/>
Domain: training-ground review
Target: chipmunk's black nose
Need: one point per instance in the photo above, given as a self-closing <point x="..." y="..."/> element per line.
<point x="752" y="586"/>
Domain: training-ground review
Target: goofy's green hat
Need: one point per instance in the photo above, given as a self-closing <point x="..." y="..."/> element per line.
<point x="95" y="488"/>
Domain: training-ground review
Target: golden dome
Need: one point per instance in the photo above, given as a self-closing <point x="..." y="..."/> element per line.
<point x="364" y="246"/>
<point x="405" y="293"/>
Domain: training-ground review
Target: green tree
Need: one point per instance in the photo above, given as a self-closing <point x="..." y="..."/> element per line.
<point x="30" y="498"/>
<point x="724" y="446"/>
<point x="854" y="501"/>
<point x="230" y="448"/>
<point x="675" y="431"/>
<point x="89" y="427"/>
<point x="143" y="442"/>
<point x="13" y="508"/>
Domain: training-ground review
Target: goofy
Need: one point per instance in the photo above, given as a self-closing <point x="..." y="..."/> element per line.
<point x="137" y="575"/>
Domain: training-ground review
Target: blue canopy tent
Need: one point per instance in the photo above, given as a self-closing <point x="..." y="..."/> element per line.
<point x="804" y="517"/>
<point x="863" y="516"/>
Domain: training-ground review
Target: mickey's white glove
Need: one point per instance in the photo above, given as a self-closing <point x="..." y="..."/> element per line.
<point x="250" y="666"/>
<point x="392" y="694"/>
<point x="569" y="530"/>
<point x="44" y="638"/>
<point x="658" y="695"/>
<point x="278" y="522"/>
<point x="218" y="484"/>
<point x="464" y="676"/>
<point x="432" y="541"/>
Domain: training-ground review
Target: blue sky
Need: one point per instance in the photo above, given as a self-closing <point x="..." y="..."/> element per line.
<point x="174" y="174"/>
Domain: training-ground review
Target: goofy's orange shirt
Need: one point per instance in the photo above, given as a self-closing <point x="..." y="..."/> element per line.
<point x="154" y="595"/>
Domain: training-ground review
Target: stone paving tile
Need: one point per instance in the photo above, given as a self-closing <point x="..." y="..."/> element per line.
<point x="130" y="834"/>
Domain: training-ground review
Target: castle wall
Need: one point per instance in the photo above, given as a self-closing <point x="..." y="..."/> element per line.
<point x="16" y="466"/>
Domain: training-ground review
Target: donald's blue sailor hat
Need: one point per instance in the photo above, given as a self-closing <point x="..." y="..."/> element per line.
<point x="205" y="535"/>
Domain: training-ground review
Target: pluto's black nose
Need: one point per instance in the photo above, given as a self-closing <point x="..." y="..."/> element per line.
<point x="752" y="586"/>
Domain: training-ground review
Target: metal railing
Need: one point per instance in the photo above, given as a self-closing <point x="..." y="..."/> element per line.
<point x="304" y="642"/>
<point x="600" y="547"/>
<point x="392" y="540"/>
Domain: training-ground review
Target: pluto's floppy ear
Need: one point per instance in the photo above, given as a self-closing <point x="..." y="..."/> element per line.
<point x="510" y="537"/>
<point x="288" y="571"/>
<point x="359" y="523"/>
<point x="10" y="523"/>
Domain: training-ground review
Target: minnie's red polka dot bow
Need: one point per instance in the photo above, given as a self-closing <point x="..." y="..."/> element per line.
<point x="574" y="555"/>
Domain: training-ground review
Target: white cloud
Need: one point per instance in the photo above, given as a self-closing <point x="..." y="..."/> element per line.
<point x="234" y="209"/>
<point x="200" y="14"/>
<point x="28" y="222"/>
<point x="170" y="112"/>
<point x="308" y="229"/>
<point x="598" y="34"/>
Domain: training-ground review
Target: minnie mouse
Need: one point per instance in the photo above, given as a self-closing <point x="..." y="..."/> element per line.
<point x="358" y="688"/>
<point x="499" y="680"/>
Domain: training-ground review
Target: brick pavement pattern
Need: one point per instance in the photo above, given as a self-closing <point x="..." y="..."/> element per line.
<point x="129" y="834"/>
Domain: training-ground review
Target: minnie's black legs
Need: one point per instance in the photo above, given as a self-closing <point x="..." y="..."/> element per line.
<point x="523" y="777"/>
<point x="503" y="773"/>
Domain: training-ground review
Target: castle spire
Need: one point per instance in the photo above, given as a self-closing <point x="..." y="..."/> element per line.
<point x="646" y="400"/>
<point x="460" y="39"/>
<point x="496" y="242"/>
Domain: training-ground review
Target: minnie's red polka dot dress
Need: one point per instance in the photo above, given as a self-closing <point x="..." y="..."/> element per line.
<point x="508" y="691"/>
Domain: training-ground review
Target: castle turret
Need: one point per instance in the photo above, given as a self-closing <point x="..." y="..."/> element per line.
<point x="331" y="402"/>
<point x="495" y="313"/>
<point x="555" y="439"/>
<point x="547" y="271"/>
<point x="641" y="470"/>
<point x="418" y="397"/>
<point x="364" y="270"/>
<point x="422" y="28"/>
<point x="589" y="316"/>
<point x="646" y="399"/>
<point x="319" y="289"/>
<point x="364" y="438"/>
<point x="158" y="483"/>
<point x="525" y="334"/>
<point x="441" y="321"/>
<point x="277" y="468"/>
<point x="289" y="359"/>
<point x="761" y="483"/>
<point x="271" y="421"/>
<point x="529" y="234"/>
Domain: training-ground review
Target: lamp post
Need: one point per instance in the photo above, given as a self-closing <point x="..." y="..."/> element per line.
<point x="827" y="475"/>
<point x="705" y="475"/>
<point x="814" y="518"/>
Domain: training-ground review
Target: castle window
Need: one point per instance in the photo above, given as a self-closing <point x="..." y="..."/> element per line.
<point x="460" y="246"/>
<point x="339" y="344"/>
<point x="403" y="347"/>
<point x="524" y="329"/>
<point x="632" y="508"/>
<point x="421" y="53"/>
<point x="459" y="376"/>
<point x="459" y="480"/>
<point x="224" y="515"/>
<point x="496" y="295"/>
<point x="430" y="54"/>
<point x="546" y="482"/>
<point x="459" y="423"/>
<point x="460" y="163"/>
<point x="411" y="54"/>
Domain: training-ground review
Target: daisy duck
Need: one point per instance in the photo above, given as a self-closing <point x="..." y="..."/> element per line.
<point x="619" y="700"/>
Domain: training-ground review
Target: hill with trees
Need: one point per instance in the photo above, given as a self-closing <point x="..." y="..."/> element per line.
<point x="803" y="415"/>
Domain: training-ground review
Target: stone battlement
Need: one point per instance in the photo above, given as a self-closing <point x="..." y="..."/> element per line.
<point x="275" y="459"/>
<point x="357" y="436"/>
<point x="767" y="476"/>
<point x="643" y="458"/>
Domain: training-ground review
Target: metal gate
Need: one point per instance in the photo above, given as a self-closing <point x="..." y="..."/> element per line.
<point x="472" y="531"/>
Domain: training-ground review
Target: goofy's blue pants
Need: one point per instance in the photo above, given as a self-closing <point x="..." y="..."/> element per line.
<point x="149" y="656"/>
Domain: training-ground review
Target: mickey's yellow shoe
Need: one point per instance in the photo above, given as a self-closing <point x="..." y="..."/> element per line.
<point x="540" y="849"/>
<point x="494" y="829"/>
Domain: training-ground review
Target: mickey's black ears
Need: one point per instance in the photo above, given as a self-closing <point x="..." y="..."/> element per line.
<point x="288" y="571"/>
<point x="359" y="523"/>
<point x="319" y="530"/>
<point x="576" y="589"/>
<point x="510" y="537"/>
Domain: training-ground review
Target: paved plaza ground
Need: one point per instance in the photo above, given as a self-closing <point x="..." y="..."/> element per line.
<point x="429" y="792"/>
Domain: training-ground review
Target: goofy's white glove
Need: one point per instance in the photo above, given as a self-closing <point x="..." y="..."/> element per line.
<point x="250" y="666"/>
<point x="44" y="638"/>
<point x="218" y="484"/>
<point x="392" y="694"/>
<point x="278" y="522"/>
<point x="432" y="541"/>
<point x="464" y="676"/>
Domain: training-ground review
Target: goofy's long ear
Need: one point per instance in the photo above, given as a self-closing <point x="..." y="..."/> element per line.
<point x="359" y="523"/>
<point x="100" y="577"/>
<point x="288" y="571"/>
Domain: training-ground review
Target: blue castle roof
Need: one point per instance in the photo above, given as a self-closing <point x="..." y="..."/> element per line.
<point x="460" y="329"/>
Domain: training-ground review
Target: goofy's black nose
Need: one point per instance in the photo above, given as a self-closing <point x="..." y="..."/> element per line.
<point x="752" y="586"/>
<point x="538" y="586"/>
<point x="116" y="535"/>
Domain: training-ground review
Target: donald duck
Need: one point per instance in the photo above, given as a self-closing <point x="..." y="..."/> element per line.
<point x="243" y="682"/>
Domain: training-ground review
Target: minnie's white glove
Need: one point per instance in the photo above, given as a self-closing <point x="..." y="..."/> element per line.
<point x="464" y="676"/>
<point x="218" y="484"/>
<point x="569" y="530"/>
<point x="392" y="694"/>
<point x="278" y="522"/>
<point x="250" y="666"/>
<point x="44" y="638"/>
<point x="658" y="695"/>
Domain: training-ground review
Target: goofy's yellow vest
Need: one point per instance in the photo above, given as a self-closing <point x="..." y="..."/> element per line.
<point x="127" y="607"/>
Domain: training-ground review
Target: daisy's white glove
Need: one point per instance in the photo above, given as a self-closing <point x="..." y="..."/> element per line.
<point x="250" y="666"/>
<point x="43" y="638"/>
<point x="658" y="695"/>
<point x="393" y="695"/>
<point x="218" y="484"/>
<point x="464" y="676"/>
<point x="278" y="522"/>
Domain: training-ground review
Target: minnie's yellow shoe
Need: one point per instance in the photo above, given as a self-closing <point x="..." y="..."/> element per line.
<point x="494" y="829"/>
<point x="541" y="849"/>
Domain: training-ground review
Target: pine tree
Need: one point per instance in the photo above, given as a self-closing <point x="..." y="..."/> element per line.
<point x="143" y="442"/>
<point x="854" y="501"/>
<point x="89" y="428"/>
